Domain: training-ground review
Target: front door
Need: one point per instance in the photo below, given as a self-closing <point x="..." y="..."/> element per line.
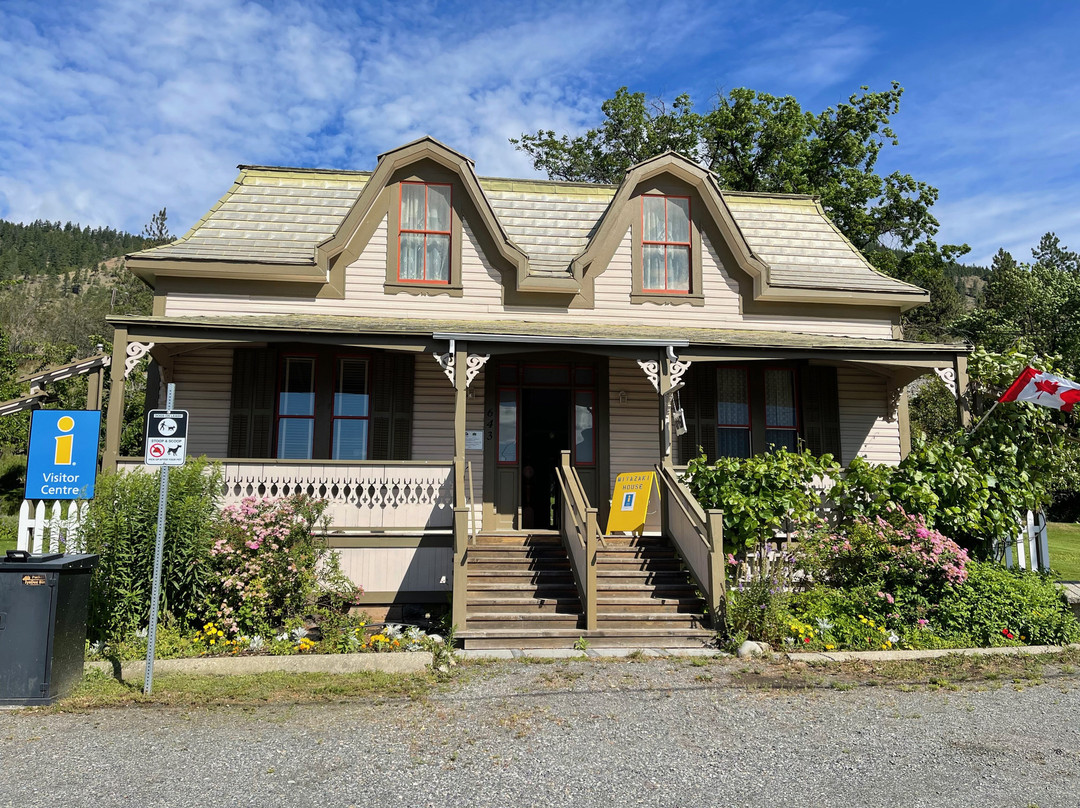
<point x="537" y="409"/>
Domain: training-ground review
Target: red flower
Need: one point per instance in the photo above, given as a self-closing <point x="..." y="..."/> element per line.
<point x="806" y="639"/>
<point x="1008" y="634"/>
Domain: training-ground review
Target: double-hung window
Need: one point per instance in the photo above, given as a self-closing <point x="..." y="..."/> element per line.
<point x="296" y="408"/>
<point x="665" y="244"/>
<point x="424" y="237"/>
<point x="352" y="412"/>
<point x="301" y="424"/>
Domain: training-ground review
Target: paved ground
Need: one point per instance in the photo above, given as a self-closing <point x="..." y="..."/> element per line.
<point x="596" y="733"/>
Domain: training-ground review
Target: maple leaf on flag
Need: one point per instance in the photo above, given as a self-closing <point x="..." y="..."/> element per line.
<point x="1047" y="386"/>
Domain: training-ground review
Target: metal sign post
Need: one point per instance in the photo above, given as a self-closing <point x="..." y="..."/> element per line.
<point x="166" y="445"/>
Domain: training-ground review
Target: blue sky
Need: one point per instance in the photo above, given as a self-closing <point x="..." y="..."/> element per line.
<point x="111" y="110"/>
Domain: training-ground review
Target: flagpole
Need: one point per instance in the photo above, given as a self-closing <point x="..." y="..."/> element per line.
<point x="984" y="417"/>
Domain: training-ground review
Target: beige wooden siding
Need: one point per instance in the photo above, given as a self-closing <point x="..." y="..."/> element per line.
<point x="482" y="298"/>
<point x="433" y="412"/>
<point x="203" y="381"/>
<point x="634" y="426"/>
<point x="864" y="426"/>
<point x="399" y="569"/>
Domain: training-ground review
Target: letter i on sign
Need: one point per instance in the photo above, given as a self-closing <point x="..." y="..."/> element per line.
<point x="64" y="443"/>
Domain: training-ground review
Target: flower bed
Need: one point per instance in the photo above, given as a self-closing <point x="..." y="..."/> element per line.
<point x="895" y="583"/>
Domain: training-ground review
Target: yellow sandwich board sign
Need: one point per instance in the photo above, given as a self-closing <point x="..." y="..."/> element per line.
<point x="630" y="501"/>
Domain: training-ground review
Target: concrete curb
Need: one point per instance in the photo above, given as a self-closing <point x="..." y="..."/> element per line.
<point x="405" y="662"/>
<point x="896" y="656"/>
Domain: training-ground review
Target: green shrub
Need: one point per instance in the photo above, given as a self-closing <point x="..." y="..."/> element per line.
<point x="121" y="527"/>
<point x="757" y="494"/>
<point x="996" y="602"/>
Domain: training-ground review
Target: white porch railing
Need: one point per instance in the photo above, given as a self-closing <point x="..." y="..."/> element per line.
<point x="46" y="527"/>
<point x="366" y="495"/>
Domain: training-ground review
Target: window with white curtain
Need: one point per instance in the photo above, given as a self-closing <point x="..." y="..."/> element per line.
<point x="424" y="237"/>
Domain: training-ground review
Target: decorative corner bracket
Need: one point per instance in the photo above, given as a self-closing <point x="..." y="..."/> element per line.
<point x="446" y="362"/>
<point x="135" y="352"/>
<point x="676" y="368"/>
<point x="948" y="376"/>
<point x="474" y="363"/>
<point x="651" y="369"/>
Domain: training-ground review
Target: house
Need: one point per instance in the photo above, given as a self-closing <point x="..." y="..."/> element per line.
<point x="458" y="363"/>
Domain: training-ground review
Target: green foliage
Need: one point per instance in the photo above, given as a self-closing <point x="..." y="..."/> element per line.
<point x="975" y="487"/>
<point x="1037" y="303"/>
<point x="121" y="528"/>
<point x="995" y="600"/>
<point x="757" y="610"/>
<point x="54" y="249"/>
<point x="754" y="141"/>
<point x="932" y="410"/>
<point x="757" y="494"/>
<point x="927" y="266"/>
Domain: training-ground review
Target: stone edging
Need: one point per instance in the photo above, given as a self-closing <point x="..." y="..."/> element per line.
<point x="899" y="655"/>
<point x="404" y="662"/>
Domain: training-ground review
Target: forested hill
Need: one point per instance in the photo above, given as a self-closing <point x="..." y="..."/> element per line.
<point x="55" y="249"/>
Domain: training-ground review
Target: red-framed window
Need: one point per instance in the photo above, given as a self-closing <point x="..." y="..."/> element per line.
<point x="665" y="244"/>
<point x="781" y="409"/>
<point x="733" y="437"/>
<point x="424" y="235"/>
<point x="295" y="411"/>
<point x="351" y="416"/>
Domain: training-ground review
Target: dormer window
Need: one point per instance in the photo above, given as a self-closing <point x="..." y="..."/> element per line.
<point x="665" y="243"/>
<point x="424" y="236"/>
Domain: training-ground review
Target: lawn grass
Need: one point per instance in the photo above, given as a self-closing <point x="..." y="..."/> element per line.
<point x="189" y="690"/>
<point x="1064" y="541"/>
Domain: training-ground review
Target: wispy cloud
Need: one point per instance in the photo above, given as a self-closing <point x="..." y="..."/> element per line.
<point x="110" y="109"/>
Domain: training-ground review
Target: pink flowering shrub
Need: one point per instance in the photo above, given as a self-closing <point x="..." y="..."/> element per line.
<point x="271" y="563"/>
<point x="904" y="564"/>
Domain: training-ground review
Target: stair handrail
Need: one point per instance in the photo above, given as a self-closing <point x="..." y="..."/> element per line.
<point x="698" y="535"/>
<point x="580" y="534"/>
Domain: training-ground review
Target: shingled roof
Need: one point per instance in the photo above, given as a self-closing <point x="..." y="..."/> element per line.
<point x="280" y="215"/>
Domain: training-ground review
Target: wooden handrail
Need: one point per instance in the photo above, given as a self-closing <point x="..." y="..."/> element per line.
<point x="580" y="534"/>
<point x="708" y="525"/>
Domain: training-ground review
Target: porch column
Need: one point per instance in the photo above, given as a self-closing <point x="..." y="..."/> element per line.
<point x="461" y="502"/>
<point x="114" y="423"/>
<point x="962" y="404"/>
<point x="664" y="384"/>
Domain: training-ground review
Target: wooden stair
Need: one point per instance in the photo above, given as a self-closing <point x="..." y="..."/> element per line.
<point x="522" y="594"/>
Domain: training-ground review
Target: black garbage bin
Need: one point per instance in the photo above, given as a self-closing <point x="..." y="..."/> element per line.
<point x="43" y="605"/>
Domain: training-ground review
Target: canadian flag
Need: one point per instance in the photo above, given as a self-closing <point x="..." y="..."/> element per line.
<point x="1040" y="387"/>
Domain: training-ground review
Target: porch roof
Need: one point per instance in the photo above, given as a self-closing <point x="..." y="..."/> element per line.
<point x="700" y="342"/>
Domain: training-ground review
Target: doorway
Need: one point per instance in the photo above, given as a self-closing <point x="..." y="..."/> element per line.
<point x="545" y="432"/>
<point x="538" y="406"/>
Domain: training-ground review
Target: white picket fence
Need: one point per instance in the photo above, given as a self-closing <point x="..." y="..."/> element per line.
<point x="51" y="526"/>
<point x="1029" y="550"/>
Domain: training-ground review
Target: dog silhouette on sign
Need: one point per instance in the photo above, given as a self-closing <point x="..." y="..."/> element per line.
<point x="173" y="451"/>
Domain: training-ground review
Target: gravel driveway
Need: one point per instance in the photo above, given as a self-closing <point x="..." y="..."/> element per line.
<point x="657" y="733"/>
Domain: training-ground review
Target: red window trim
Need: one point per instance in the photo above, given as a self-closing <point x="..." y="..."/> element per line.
<point x="425" y="232"/>
<point x="314" y="399"/>
<point x="333" y="403"/>
<point x="689" y="247"/>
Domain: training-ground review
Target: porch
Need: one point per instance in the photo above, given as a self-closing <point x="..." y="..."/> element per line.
<point x="429" y="444"/>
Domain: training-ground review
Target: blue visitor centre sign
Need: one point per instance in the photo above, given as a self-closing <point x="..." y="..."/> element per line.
<point x="62" y="460"/>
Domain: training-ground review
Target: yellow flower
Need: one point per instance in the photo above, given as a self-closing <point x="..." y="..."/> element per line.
<point x="829" y="647"/>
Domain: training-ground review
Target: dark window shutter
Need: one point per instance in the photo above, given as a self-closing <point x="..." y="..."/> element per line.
<point x="698" y="400"/>
<point x="391" y="406"/>
<point x="820" y="410"/>
<point x="251" y="414"/>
